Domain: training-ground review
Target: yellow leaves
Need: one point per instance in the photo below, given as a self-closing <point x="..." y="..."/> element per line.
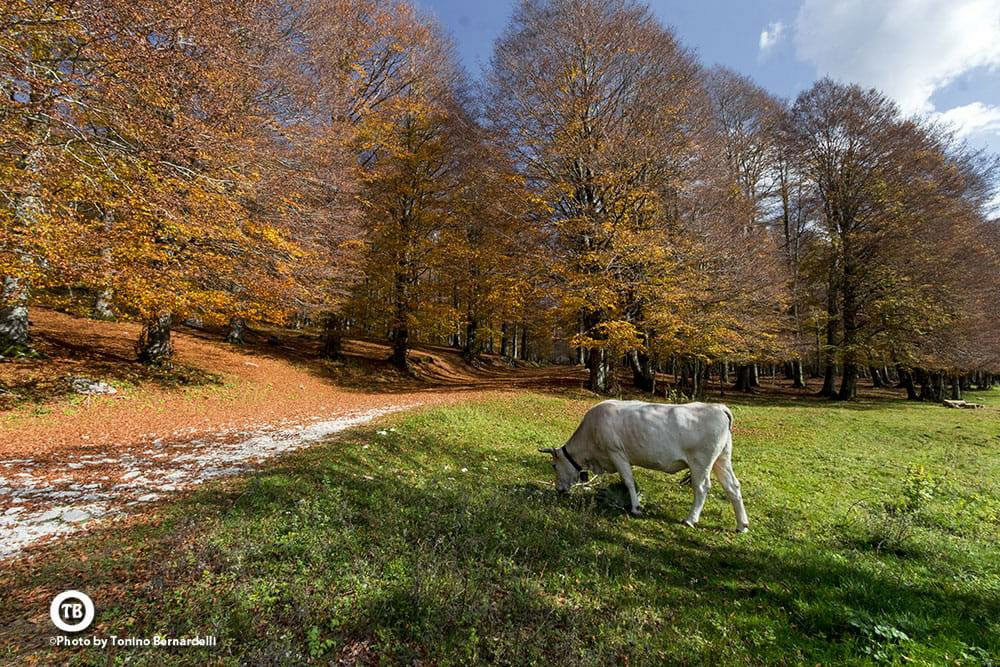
<point x="617" y="336"/>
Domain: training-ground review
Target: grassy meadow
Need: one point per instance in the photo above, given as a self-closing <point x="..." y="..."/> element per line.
<point x="436" y="537"/>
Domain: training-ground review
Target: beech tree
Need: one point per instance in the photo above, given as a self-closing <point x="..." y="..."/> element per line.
<point x="892" y="190"/>
<point x="154" y="117"/>
<point x="414" y="183"/>
<point x="595" y="100"/>
<point x="747" y="123"/>
<point x="328" y="160"/>
<point x="35" y="39"/>
<point x="489" y="261"/>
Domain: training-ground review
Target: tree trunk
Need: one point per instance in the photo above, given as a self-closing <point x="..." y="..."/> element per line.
<point x="600" y="372"/>
<point x="956" y="388"/>
<point x="924" y="379"/>
<point x="829" y="380"/>
<point x="333" y="337"/>
<point x="102" y="305"/>
<point x="723" y="373"/>
<point x="400" y="347"/>
<point x="236" y="330"/>
<point x="504" y="339"/>
<point x="798" y="376"/>
<point x="849" y="382"/>
<point x="849" y="344"/>
<point x="829" y="351"/>
<point x="754" y="376"/>
<point x="154" y="347"/>
<point x="455" y="339"/>
<point x="643" y="371"/>
<point x="473" y="346"/>
<point x="14" y="316"/>
<point x="932" y="387"/>
<point x="400" y="333"/>
<point x="14" y="323"/>
<point x="697" y="378"/>
<point x="906" y="382"/>
<point x="743" y="378"/>
<point x="877" y="380"/>
<point x="102" y="309"/>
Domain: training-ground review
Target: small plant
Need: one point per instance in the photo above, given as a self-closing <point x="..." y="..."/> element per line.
<point x="919" y="488"/>
<point x="19" y="351"/>
<point x="974" y="655"/>
<point x="317" y="645"/>
<point x="888" y="526"/>
<point x="675" y="395"/>
<point x="878" y="641"/>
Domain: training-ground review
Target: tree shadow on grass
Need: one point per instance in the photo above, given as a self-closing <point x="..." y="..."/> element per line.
<point x="438" y="567"/>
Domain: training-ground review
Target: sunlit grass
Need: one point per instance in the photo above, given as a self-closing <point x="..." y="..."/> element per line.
<point x="437" y="537"/>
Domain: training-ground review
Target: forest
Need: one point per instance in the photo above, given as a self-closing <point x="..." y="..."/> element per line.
<point x="302" y="323"/>
<point x="596" y="196"/>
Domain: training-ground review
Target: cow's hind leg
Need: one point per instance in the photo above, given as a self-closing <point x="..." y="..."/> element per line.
<point x="624" y="469"/>
<point x="724" y="473"/>
<point x="701" y="482"/>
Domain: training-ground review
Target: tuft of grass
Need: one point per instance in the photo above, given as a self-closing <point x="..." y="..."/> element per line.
<point x="437" y="537"/>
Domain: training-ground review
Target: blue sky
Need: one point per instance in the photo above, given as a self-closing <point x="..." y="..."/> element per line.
<point x="940" y="58"/>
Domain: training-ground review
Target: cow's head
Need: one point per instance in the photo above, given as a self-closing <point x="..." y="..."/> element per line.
<point x="567" y="474"/>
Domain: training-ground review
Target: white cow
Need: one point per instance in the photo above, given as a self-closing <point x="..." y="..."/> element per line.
<point x="615" y="435"/>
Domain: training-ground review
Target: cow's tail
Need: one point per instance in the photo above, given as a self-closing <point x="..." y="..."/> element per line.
<point x="729" y="436"/>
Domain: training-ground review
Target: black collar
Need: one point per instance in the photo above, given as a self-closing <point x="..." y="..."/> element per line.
<point x="569" y="458"/>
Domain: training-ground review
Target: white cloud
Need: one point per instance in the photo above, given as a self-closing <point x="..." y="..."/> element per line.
<point x="972" y="119"/>
<point x="993" y="208"/>
<point x="770" y="36"/>
<point x="907" y="48"/>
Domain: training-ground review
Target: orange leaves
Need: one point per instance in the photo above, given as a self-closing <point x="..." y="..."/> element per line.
<point x="144" y="165"/>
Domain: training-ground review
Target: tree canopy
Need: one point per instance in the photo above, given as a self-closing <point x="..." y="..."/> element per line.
<point x="600" y="197"/>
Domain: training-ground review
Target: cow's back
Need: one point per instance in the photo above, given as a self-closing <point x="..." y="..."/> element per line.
<point x="658" y="435"/>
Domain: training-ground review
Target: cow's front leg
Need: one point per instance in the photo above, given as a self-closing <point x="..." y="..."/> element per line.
<point x="700" y="482"/>
<point x="624" y="469"/>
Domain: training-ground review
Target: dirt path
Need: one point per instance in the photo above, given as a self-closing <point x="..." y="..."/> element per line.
<point x="257" y="386"/>
<point x="74" y="460"/>
<point x="44" y="497"/>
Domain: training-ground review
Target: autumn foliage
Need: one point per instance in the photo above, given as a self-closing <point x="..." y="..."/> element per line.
<point x="601" y="198"/>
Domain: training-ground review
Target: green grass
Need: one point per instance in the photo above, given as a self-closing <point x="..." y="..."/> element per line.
<point x="873" y="539"/>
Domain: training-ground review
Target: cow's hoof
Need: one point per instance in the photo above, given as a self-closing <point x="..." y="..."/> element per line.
<point x="635" y="512"/>
<point x="688" y="522"/>
<point x="744" y="528"/>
